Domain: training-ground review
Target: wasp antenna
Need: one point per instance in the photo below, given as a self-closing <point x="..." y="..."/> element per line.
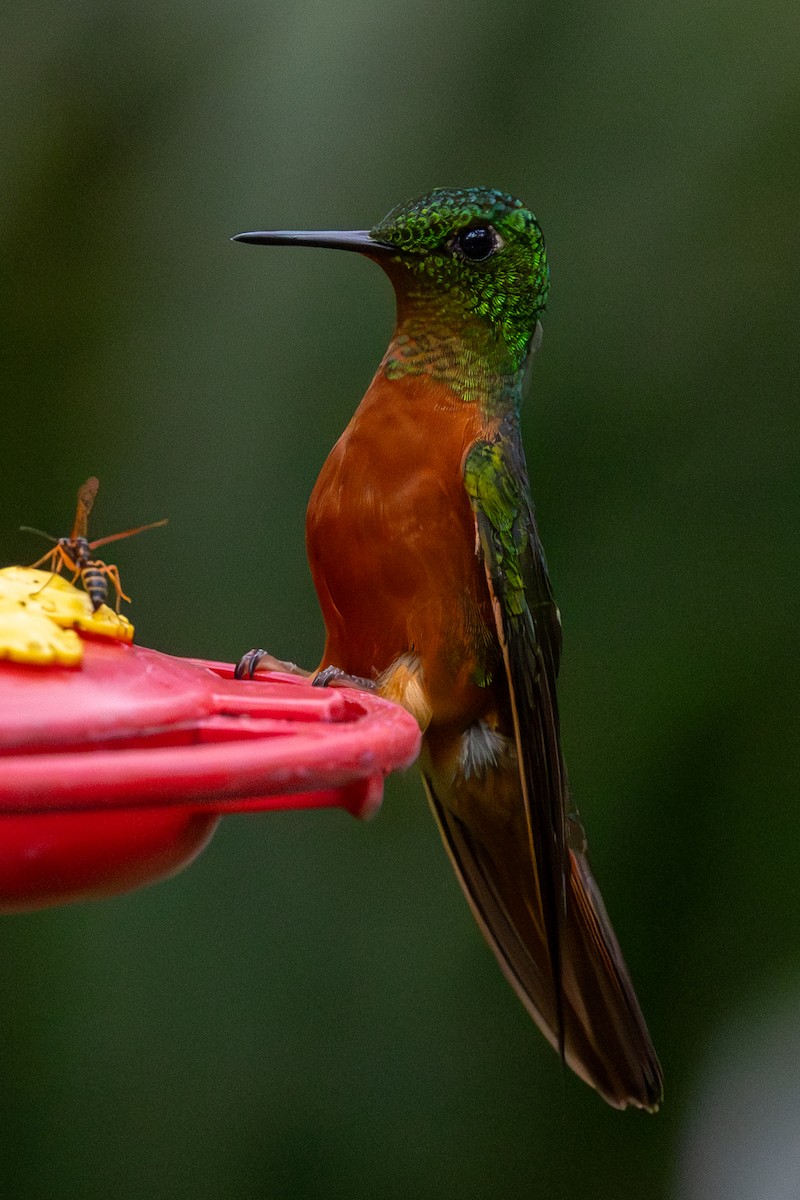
<point x="38" y="532"/>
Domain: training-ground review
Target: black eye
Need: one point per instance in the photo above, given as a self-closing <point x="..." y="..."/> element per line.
<point x="477" y="243"/>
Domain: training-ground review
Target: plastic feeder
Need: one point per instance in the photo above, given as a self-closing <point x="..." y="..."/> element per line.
<point x="115" y="769"/>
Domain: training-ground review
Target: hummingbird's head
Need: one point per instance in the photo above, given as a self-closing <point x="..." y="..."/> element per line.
<point x="473" y="254"/>
<point x="463" y="261"/>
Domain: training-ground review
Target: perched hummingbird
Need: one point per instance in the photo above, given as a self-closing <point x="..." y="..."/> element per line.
<point x="434" y="589"/>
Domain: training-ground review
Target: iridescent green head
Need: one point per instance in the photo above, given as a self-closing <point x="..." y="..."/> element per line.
<point x="480" y="249"/>
<point x="466" y="263"/>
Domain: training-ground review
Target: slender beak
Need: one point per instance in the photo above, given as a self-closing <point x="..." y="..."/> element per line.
<point x="354" y="239"/>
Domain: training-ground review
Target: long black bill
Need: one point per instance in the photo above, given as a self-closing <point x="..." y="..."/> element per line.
<point x="353" y="239"/>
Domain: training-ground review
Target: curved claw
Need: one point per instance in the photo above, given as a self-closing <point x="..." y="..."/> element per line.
<point x="332" y="676"/>
<point x="248" y="664"/>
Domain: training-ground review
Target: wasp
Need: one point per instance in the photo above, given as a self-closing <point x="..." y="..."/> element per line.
<point x="75" y="552"/>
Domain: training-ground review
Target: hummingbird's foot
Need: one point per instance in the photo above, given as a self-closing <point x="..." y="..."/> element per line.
<point x="254" y="660"/>
<point x="332" y="676"/>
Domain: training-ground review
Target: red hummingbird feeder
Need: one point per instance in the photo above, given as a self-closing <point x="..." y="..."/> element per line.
<point x="117" y="761"/>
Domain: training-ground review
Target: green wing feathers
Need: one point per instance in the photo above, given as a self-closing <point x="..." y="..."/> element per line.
<point x="498" y="488"/>
<point x="539" y="906"/>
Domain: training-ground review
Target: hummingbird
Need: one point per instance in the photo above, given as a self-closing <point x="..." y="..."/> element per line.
<point x="433" y="585"/>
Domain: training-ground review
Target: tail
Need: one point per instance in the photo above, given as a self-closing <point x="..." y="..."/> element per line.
<point x="606" y="1041"/>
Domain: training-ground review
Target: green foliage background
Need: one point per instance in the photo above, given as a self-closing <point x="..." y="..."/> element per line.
<point x="309" y="1011"/>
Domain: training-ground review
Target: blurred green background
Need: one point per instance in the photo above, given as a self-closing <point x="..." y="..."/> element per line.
<point x="309" y="1010"/>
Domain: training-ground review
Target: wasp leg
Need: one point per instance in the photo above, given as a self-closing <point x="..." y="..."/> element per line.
<point x="111" y="571"/>
<point x="52" y="555"/>
<point x="57" y="561"/>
